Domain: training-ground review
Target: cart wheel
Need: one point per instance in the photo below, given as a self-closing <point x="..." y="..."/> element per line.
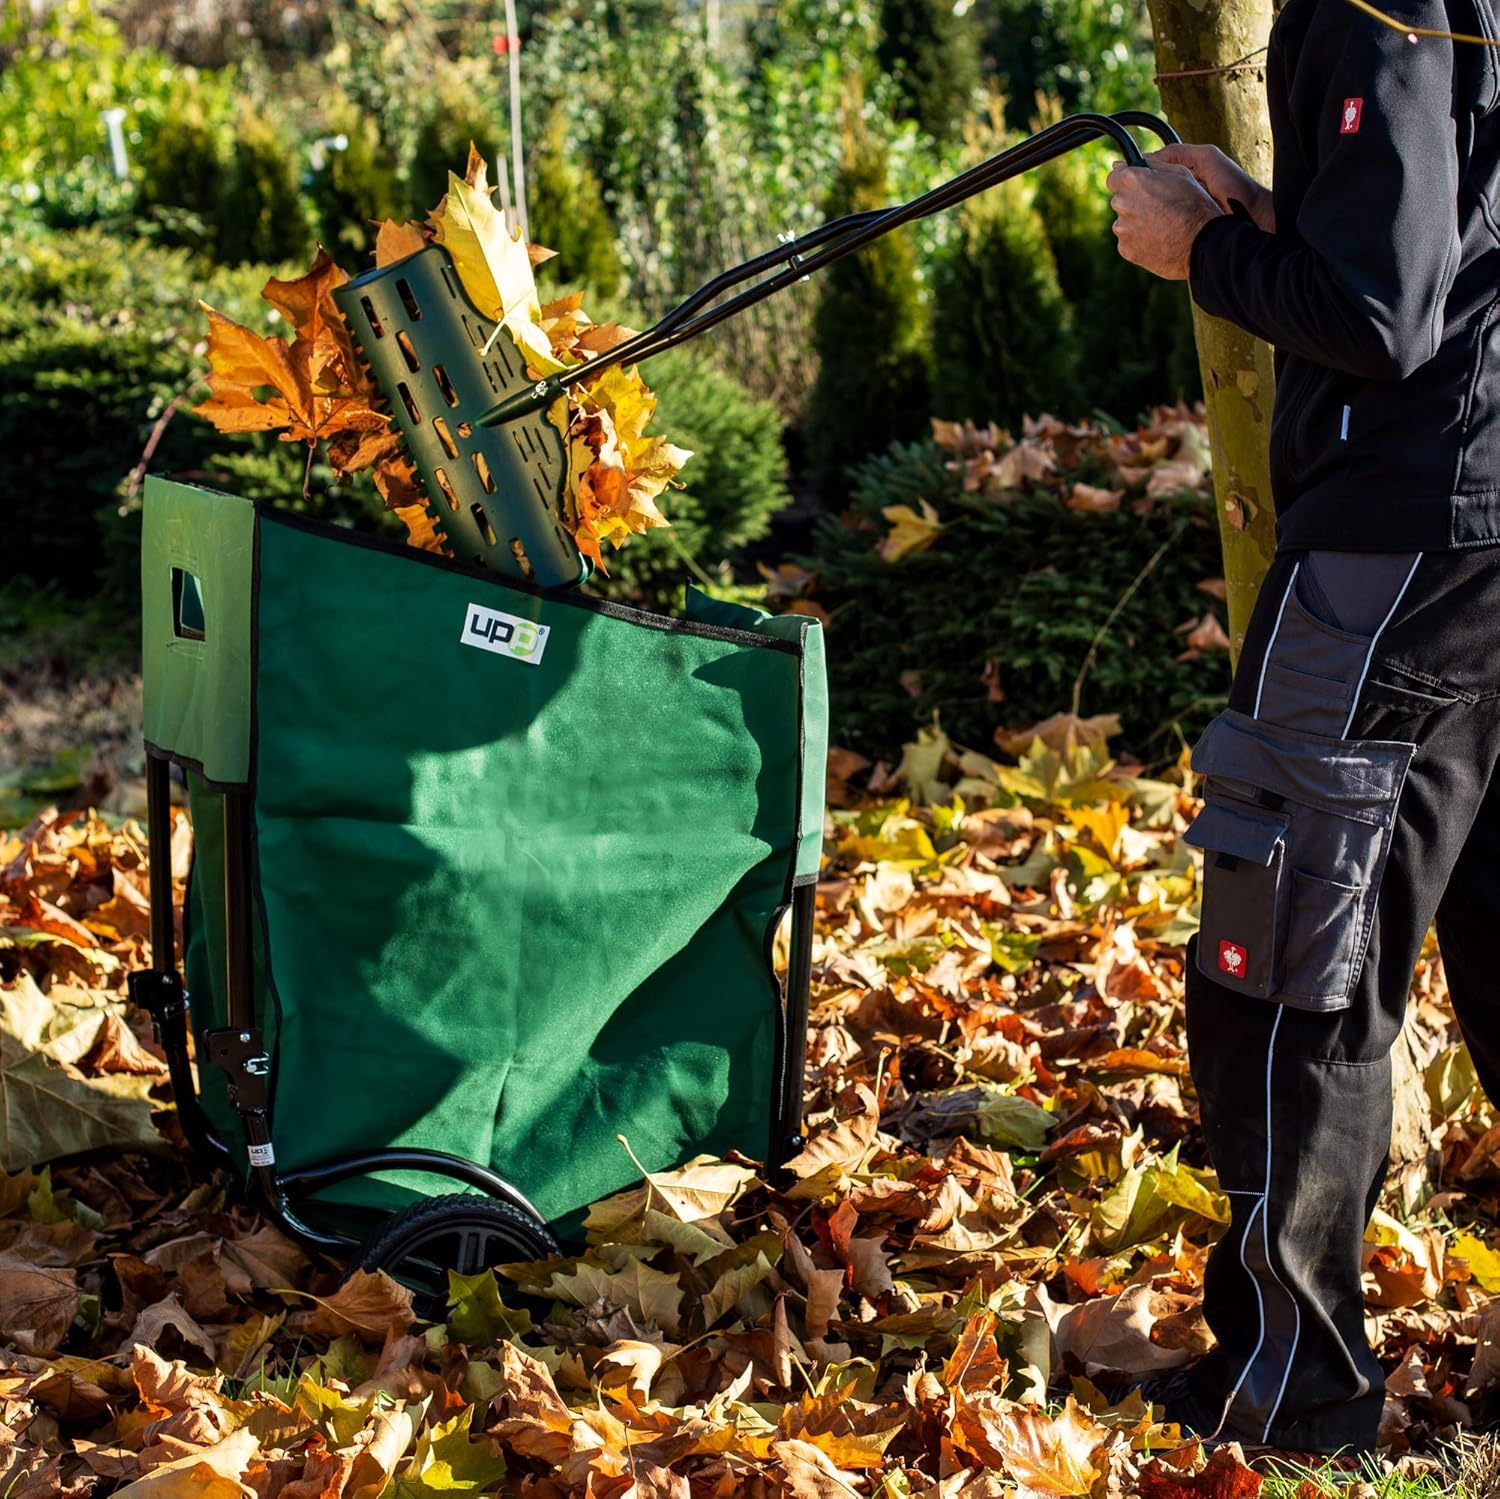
<point x="459" y="1231"/>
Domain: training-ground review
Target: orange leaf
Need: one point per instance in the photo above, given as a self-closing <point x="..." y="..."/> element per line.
<point x="395" y="241"/>
<point x="975" y="1363"/>
<point x="307" y="303"/>
<point x="1225" y="1477"/>
<point x="311" y="388"/>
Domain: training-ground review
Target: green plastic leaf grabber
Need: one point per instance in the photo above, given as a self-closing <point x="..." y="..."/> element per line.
<point x="495" y="495"/>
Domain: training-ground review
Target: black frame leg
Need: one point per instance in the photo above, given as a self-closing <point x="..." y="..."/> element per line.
<point x="791" y="1039"/>
<point x="159" y="989"/>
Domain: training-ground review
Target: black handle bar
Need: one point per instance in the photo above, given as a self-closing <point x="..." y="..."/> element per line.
<point x="832" y="241"/>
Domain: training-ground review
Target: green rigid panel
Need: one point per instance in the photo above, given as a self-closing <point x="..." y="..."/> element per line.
<point x="519" y="858"/>
<point x="197" y="550"/>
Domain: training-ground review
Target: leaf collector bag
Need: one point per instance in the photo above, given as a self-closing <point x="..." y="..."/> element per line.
<point x="516" y="858"/>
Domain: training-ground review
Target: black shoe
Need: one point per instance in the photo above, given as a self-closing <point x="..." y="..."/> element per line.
<point x="1178" y="1397"/>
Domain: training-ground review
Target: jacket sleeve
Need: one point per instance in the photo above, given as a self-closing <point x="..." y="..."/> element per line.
<point x="1360" y="284"/>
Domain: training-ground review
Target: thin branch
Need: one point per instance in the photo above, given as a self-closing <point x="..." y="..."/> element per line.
<point x="138" y="474"/>
<point x="1114" y="613"/>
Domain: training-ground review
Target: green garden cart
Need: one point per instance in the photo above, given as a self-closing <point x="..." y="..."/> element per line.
<point x="487" y="871"/>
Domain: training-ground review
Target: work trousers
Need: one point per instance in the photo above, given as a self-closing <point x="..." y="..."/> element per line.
<point x="1350" y="799"/>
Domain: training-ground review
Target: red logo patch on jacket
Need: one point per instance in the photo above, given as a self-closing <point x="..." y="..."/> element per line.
<point x="1349" y="119"/>
<point x="1232" y="958"/>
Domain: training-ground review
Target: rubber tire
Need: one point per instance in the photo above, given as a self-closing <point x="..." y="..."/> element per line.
<point x="509" y="1234"/>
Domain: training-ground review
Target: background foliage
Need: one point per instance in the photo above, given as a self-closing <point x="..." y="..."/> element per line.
<point x="661" y="147"/>
<point x="1018" y="590"/>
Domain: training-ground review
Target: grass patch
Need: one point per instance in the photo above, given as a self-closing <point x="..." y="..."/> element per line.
<point x="1470" y="1470"/>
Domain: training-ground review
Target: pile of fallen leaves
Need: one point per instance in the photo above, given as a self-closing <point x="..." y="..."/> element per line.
<point x="1166" y="455"/>
<point x="1003" y="1199"/>
<point x="316" y="389"/>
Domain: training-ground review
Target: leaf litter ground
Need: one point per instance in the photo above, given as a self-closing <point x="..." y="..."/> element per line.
<point x="1003" y="1197"/>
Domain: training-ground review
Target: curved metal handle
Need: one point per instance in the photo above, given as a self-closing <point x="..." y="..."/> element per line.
<point x="1140" y="119"/>
<point x="829" y="242"/>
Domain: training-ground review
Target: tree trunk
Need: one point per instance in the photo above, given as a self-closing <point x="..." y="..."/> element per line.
<point x="1228" y="109"/>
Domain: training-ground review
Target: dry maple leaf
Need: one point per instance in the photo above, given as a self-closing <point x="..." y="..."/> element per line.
<point x="975" y="1364"/>
<point x="809" y="1473"/>
<point x="492" y="262"/>
<point x="1115" y="1333"/>
<point x="395" y="241"/>
<point x="1208" y="635"/>
<point x="370" y="1305"/>
<point x="537" y="1422"/>
<point x="650" y="1295"/>
<point x="616" y="471"/>
<point x="317" y="390"/>
<point x="212" y="1473"/>
<point x="37" y="1304"/>
<point x="1055" y="1456"/>
<point x="153" y="1321"/>
<point x="844" y="1141"/>
<point x="1224" y="1477"/>
<point x="1062" y="731"/>
<point x="910" y="532"/>
<point x="1094" y="500"/>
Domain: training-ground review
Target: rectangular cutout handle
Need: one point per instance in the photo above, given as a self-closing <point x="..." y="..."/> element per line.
<point x="188" y="621"/>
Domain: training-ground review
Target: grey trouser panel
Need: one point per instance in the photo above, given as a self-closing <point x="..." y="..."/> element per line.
<point x="1297" y="819"/>
<point x="1296" y="831"/>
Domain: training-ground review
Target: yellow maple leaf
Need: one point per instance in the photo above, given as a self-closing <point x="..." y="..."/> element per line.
<point x="1483" y="1262"/>
<point x="493" y="263"/>
<point x="1046" y="1455"/>
<point x="909" y="531"/>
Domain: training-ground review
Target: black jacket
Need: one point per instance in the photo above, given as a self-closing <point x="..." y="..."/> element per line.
<point x="1379" y="288"/>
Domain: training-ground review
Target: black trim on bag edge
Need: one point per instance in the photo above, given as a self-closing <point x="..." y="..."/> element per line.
<point x="786" y="1076"/>
<point x="667" y="624"/>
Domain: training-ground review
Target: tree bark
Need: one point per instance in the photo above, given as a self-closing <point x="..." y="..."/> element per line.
<point x="1228" y="109"/>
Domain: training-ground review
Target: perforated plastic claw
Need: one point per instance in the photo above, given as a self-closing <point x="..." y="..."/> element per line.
<point x="438" y="365"/>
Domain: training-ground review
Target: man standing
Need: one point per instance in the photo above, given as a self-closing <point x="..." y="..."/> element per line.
<point x="1351" y="794"/>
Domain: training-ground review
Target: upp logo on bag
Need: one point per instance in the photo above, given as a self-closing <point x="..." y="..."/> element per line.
<point x="1232" y="959"/>
<point x="505" y="634"/>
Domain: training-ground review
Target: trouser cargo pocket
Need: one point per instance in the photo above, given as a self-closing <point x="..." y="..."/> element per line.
<point x="1295" y="830"/>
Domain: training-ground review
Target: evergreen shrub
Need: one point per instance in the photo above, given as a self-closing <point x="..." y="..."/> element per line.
<point x="1022" y="581"/>
<point x="1084" y="54"/>
<point x="1003" y="337"/>
<point x="931" y="49"/>
<point x="100" y="336"/>
<point x="353" y="189"/>
<point x="182" y="161"/>
<point x="870" y="330"/>
<point x="1133" y="331"/>
<point x="458" y="107"/>
<point x="261" y="213"/>
<point x="565" y="208"/>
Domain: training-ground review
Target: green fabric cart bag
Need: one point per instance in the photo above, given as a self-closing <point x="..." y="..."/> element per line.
<point x="518" y="857"/>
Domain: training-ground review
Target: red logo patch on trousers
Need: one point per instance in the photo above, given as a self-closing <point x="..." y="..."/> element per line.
<point x="1349" y="119"/>
<point x="1232" y="959"/>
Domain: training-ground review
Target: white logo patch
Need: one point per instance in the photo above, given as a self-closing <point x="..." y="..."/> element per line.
<point x="505" y="634"/>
